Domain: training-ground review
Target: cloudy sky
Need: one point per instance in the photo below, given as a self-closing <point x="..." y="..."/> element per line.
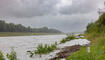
<point x="65" y="15"/>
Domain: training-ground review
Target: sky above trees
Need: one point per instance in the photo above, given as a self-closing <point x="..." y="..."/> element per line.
<point x="65" y="15"/>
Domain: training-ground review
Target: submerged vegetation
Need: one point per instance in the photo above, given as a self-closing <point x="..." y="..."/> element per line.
<point x="96" y="34"/>
<point x="12" y="55"/>
<point x="44" y="49"/>
<point x="68" y="38"/>
<point x="1" y="56"/>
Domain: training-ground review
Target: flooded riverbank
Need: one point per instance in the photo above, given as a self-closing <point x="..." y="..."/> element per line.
<point x="22" y="44"/>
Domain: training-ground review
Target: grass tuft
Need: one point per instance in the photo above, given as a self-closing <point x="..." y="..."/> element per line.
<point x="1" y="56"/>
<point x="44" y="49"/>
<point x="71" y="37"/>
<point x="12" y="55"/>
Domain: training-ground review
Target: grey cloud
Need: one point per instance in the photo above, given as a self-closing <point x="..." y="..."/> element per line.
<point x="81" y="6"/>
<point x="32" y="8"/>
<point x="66" y="23"/>
<point x="27" y="8"/>
<point x="39" y="13"/>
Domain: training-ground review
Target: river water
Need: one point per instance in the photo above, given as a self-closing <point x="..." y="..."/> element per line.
<point x="22" y="44"/>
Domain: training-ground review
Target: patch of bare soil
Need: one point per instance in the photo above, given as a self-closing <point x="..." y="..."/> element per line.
<point x="66" y="51"/>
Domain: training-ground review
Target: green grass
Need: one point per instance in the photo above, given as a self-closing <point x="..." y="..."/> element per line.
<point x="44" y="49"/>
<point x="97" y="51"/>
<point x="68" y="38"/>
<point x="80" y="34"/>
<point x="1" y="56"/>
<point x="12" y="55"/>
<point x="23" y="34"/>
<point x="80" y="55"/>
<point x="96" y="34"/>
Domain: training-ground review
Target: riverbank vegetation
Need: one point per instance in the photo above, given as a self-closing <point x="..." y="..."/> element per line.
<point x="96" y="34"/>
<point x="68" y="38"/>
<point x="1" y="56"/>
<point x="44" y="49"/>
<point x="11" y="56"/>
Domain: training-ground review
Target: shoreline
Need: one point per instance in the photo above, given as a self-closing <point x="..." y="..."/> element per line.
<point x="9" y="34"/>
<point x="66" y="52"/>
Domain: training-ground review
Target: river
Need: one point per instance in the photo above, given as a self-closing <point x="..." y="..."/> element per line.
<point x="22" y="44"/>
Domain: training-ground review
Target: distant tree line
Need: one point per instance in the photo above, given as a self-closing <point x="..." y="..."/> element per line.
<point x="11" y="27"/>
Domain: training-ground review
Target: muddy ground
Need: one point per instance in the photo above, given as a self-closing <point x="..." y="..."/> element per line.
<point x="66" y="51"/>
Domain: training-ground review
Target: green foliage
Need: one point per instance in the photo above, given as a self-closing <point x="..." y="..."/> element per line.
<point x="80" y="35"/>
<point x="96" y="33"/>
<point x="71" y="37"/>
<point x="92" y="27"/>
<point x="1" y="56"/>
<point x="57" y="59"/>
<point x="44" y="49"/>
<point x="98" y="26"/>
<point x="12" y="55"/>
<point x="80" y="55"/>
<point x="101" y="20"/>
<point x="63" y="41"/>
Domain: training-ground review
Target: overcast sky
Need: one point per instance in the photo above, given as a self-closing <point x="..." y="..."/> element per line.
<point x="65" y="15"/>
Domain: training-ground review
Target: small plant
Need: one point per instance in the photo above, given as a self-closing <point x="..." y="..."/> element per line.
<point x="1" y="56"/>
<point x="63" y="41"/>
<point x="80" y="35"/>
<point x="71" y="37"/>
<point x="12" y="55"/>
<point x="44" y="49"/>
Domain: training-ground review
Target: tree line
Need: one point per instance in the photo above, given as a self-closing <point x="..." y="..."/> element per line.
<point x="11" y="27"/>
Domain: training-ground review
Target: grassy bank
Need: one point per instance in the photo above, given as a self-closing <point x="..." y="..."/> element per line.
<point x="23" y="34"/>
<point x="96" y="34"/>
<point x="97" y="49"/>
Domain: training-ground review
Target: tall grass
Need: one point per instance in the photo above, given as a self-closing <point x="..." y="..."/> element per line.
<point x="1" y="56"/>
<point x="44" y="49"/>
<point x="80" y="55"/>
